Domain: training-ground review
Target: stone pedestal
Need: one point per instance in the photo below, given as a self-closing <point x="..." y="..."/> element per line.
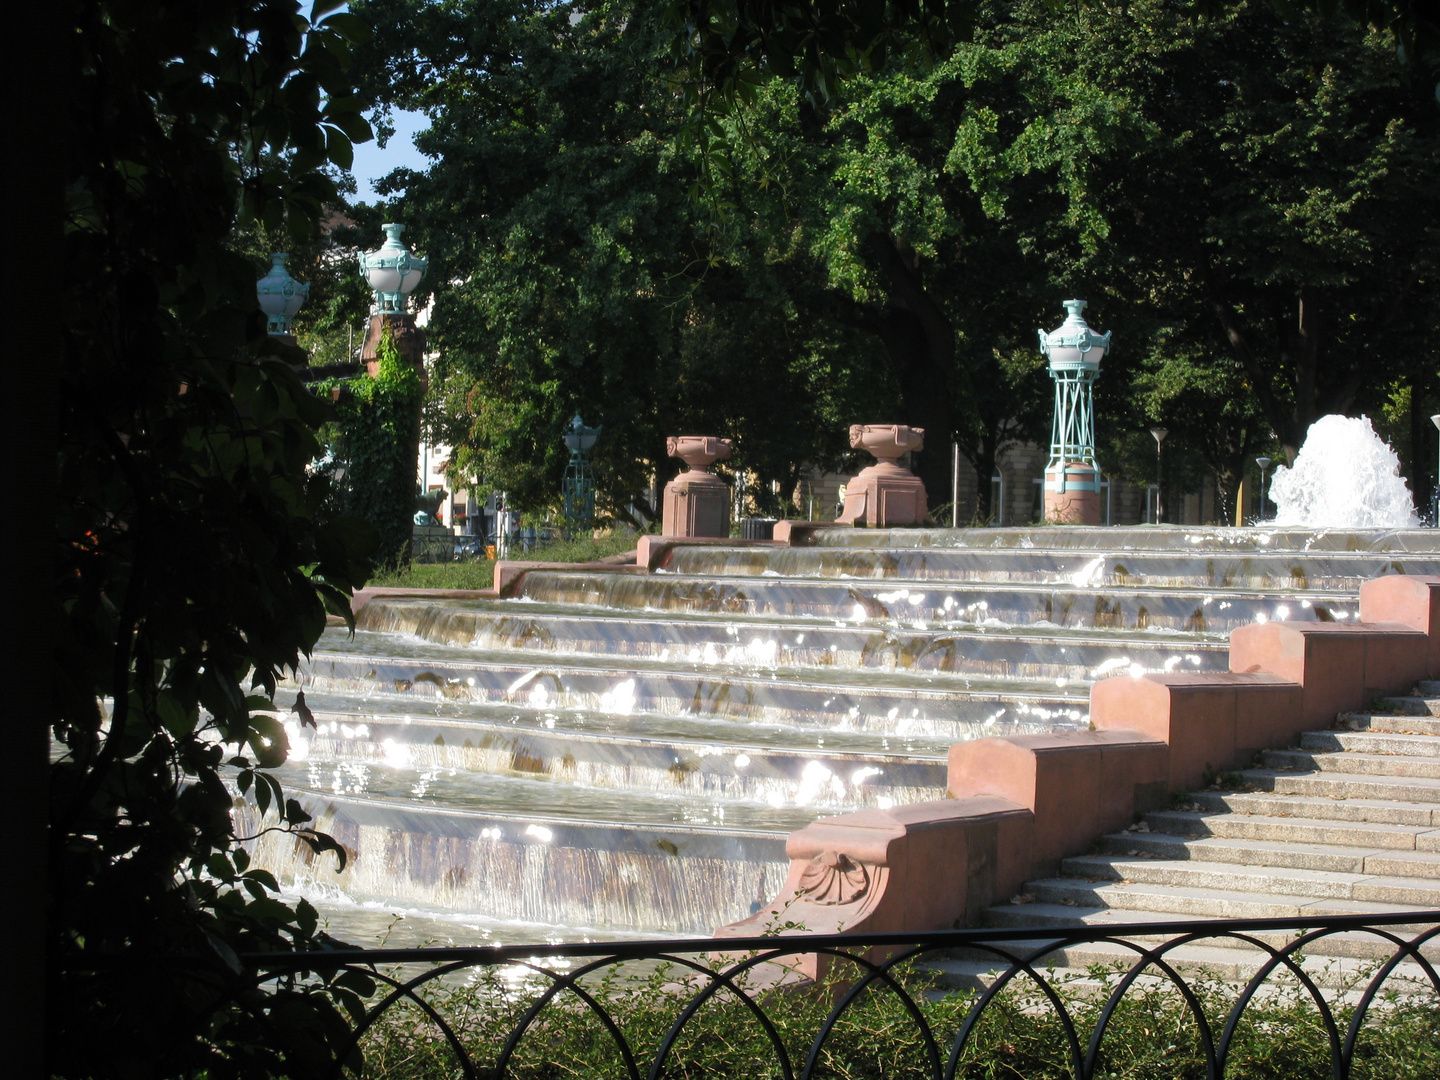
<point x="1078" y="504"/>
<point x="697" y="503"/>
<point x="886" y="493"/>
<point x="409" y="342"/>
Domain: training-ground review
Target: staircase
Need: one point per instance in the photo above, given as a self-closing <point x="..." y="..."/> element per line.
<point x="621" y="750"/>
<point x="1348" y="822"/>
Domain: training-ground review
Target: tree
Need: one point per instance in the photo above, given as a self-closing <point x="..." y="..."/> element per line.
<point x="585" y="278"/>
<point x="1277" y="219"/>
<point x="192" y="566"/>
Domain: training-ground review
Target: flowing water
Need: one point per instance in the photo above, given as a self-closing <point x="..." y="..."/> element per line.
<point x="607" y="754"/>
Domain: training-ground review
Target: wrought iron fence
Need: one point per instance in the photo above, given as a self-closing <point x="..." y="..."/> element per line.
<point x="526" y="986"/>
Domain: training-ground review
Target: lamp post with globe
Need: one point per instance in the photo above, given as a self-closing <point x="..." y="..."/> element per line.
<point x="394" y="273"/>
<point x="280" y="296"/>
<point x="1264" y="463"/>
<point x="577" y="489"/>
<point x="1072" y="478"/>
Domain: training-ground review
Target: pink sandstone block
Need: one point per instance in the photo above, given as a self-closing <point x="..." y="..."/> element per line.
<point x="797" y="531"/>
<point x="1079" y="785"/>
<point x="929" y="865"/>
<point x="1412" y="601"/>
<point x="1198" y="717"/>
<point x="509" y="574"/>
<point x="652" y="552"/>
<point x="1339" y="667"/>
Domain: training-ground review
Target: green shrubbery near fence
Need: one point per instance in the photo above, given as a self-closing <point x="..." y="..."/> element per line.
<point x="1151" y="1036"/>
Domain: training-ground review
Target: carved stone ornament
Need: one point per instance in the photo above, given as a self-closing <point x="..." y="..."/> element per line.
<point x="832" y="878"/>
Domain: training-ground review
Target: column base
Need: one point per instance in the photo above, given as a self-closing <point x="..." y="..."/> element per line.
<point x="696" y="504"/>
<point x="884" y="495"/>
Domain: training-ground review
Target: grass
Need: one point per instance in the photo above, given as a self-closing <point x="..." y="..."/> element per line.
<point x="480" y="573"/>
<point x="1152" y="1035"/>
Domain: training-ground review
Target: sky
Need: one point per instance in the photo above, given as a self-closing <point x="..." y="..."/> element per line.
<point x="371" y="163"/>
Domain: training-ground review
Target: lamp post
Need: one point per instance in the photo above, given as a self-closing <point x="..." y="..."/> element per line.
<point x="392" y="271"/>
<point x="280" y="295"/>
<point x="577" y="489"/>
<point x="1072" y="478"/>
<point x="1264" y="463"/>
<point x="1158" y="433"/>
<point x="1435" y="495"/>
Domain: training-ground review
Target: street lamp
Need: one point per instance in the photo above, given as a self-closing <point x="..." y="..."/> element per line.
<point x="1072" y="479"/>
<point x="1159" y="434"/>
<point x="1435" y="496"/>
<point x="577" y="489"/>
<point x="1264" y="463"/>
<point x="392" y="271"/>
<point x="280" y="295"/>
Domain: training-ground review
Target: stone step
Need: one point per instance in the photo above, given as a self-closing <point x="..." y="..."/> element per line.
<point x="1227" y="878"/>
<point x="1290" y="830"/>
<point x="1267" y="853"/>
<point x="1233" y="965"/>
<point x="1122" y="899"/>
<point x="1409" y="766"/>
<point x="1371" y="742"/>
<point x="1403" y="723"/>
<point x="1342" y="785"/>
<point x="1280" y="804"/>
<point x="1357" y="944"/>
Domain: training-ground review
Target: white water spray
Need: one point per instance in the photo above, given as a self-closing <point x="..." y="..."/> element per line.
<point x="1345" y="477"/>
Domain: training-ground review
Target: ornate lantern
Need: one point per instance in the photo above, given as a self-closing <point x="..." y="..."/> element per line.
<point x="1072" y="479"/>
<point x="392" y="271"/>
<point x="281" y="296"/>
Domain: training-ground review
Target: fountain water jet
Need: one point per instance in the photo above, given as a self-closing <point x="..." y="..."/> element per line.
<point x="1345" y="477"/>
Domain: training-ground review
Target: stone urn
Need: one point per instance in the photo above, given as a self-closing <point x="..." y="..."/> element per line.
<point x="698" y="452"/>
<point x="886" y="493"/>
<point x="697" y="502"/>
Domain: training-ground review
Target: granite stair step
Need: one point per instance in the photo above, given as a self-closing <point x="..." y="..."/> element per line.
<point x="1293" y="830"/>
<point x="1350" y="943"/>
<point x="1332" y="858"/>
<point x="1233" y="964"/>
<point x="1371" y="742"/>
<point x="1401" y="723"/>
<point x="1121" y="900"/>
<point x="1410" y="766"/>
<point x="1279" y="804"/>
<point x="1229" y="878"/>
<point x="1342" y="785"/>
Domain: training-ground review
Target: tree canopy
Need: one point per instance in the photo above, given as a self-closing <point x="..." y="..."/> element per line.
<point x="1243" y="198"/>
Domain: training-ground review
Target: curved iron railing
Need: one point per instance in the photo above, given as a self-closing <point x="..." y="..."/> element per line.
<point x="863" y="963"/>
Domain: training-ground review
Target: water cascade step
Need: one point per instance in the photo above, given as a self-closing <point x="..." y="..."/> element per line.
<point x="621" y="752"/>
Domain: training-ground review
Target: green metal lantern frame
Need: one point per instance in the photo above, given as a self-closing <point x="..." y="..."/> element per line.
<point x="1074" y="352"/>
<point x="577" y="488"/>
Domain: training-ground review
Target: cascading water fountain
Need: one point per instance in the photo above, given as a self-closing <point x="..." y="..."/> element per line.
<point x="1344" y="477"/>
<point x="613" y="752"/>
